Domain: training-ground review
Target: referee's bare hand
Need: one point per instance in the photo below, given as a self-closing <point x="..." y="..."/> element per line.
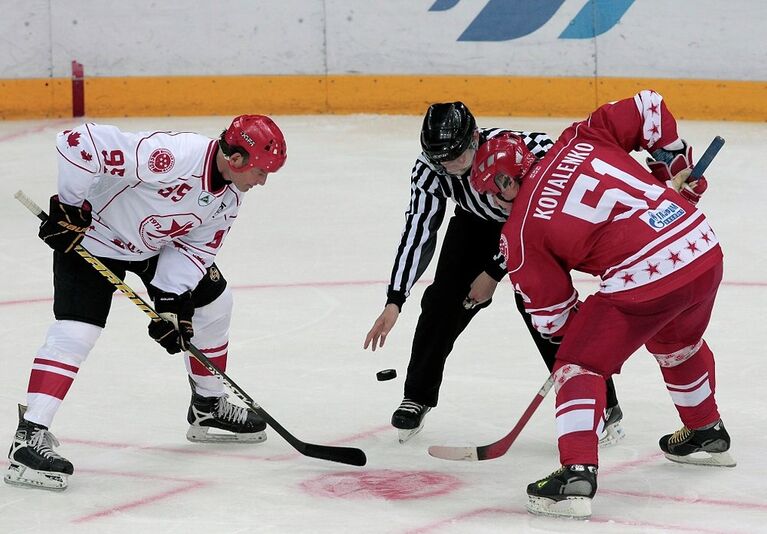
<point x="382" y="327"/>
<point x="482" y="289"/>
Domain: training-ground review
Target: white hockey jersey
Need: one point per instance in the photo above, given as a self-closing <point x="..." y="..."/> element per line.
<point x="151" y="195"/>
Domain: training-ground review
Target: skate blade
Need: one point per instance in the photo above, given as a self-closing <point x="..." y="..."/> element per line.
<point x="23" y="477"/>
<point x="203" y="434"/>
<point x="714" y="459"/>
<point x="569" y="508"/>
<point x="405" y="434"/>
<point x="612" y="435"/>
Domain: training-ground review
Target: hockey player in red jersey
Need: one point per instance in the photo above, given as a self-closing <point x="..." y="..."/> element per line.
<point x="158" y="204"/>
<point x="589" y="206"/>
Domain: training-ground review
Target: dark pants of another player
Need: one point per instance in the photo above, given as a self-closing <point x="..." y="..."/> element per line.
<point x="468" y="244"/>
<point x="83" y="294"/>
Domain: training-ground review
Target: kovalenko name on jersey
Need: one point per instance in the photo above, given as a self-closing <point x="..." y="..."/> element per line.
<point x="547" y="202"/>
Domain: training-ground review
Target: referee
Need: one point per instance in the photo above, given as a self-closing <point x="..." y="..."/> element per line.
<point x="469" y="265"/>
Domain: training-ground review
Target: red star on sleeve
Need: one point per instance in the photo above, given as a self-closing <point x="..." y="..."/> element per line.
<point x="674" y="258"/>
<point x="652" y="269"/>
<point x="627" y="278"/>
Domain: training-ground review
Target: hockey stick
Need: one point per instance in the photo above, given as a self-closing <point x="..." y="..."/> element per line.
<point x="344" y="455"/>
<point x="497" y="448"/>
<point x="706" y="159"/>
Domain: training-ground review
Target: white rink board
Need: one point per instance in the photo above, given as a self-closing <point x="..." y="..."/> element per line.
<point x="685" y="39"/>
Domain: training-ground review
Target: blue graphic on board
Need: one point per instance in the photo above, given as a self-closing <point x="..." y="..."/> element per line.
<point x="504" y="20"/>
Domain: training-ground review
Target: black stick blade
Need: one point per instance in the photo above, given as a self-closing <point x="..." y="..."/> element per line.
<point x="342" y="455"/>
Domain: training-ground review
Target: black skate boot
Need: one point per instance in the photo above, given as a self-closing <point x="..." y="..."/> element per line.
<point x="567" y="492"/>
<point x="408" y="418"/>
<point x="613" y="431"/>
<point x="240" y="424"/>
<point x="706" y="446"/>
<point x="34" y="463"/>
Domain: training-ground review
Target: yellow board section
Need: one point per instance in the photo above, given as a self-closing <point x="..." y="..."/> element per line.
<point x="290" y="95"/>
<point x="37" y="98"/>
<point x="225" y="95"/>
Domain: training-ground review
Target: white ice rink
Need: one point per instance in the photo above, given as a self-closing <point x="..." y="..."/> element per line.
<point x="309" y="260"/>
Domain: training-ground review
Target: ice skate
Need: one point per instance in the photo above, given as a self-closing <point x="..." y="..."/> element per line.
<point x="208" y="416"/>
<point x="567" y="492"/>
<point x="613" y="431"/>
<point x="408" y="419"/>
<point x="699" y="447"/>
<point x="33" y="462"/>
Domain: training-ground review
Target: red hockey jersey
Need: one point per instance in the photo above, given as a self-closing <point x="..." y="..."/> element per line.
<point x="589" y="206"/>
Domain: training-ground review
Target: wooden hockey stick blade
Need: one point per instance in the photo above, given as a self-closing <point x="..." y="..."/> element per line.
<point x="345" y="455"/>
<point x="705" y="160"/>
<point x="497" y="448"/>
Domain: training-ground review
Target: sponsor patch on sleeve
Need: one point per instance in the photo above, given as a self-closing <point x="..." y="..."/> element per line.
<point x="664" y="215"/>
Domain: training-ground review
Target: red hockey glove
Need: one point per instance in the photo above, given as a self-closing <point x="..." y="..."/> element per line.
<point x="175" y="331"/>
<point x="667" y="165"/>
<point x="692" y="191"/>
<point x="66" y="225"/>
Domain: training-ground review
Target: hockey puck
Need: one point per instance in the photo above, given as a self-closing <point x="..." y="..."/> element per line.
<point x="386" y="374"/>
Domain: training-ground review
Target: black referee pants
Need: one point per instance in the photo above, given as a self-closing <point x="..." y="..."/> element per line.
<point x="466" y="248"/>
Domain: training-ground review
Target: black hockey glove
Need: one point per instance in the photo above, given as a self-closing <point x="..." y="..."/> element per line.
<point x="175" y="331"/>
<point x="66" y="225"/>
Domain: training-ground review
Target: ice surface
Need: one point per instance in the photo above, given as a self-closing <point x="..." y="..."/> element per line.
<point x="309" y="260"/>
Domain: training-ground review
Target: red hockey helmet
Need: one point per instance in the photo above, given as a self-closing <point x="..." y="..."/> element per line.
<point x="261" y="139"/>
<point x="505" y="155"/>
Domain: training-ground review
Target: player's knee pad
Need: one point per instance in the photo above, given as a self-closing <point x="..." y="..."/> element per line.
<point x="672" y="359"/>
<point x="211" y="322"/>
<point x="69" y="341"/>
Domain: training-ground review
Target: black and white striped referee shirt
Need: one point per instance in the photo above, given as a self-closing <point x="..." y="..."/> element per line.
<point x="429" y="191"/>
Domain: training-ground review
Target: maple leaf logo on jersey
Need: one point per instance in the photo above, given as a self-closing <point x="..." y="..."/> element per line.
<point x="73" y="139"/>
<point x="85" y="155"/>
<point x="157" y="230"/>
<point x="161" y="160"/>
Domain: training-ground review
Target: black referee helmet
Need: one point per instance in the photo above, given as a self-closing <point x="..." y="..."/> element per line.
<point x="447" y="131"/>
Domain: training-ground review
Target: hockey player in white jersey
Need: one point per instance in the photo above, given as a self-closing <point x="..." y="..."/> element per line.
<point x="158" y="204"/>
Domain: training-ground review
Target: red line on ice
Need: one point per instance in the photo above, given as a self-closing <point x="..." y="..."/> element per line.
<point x="186" y="486"/>
<point x="341" y="283"/>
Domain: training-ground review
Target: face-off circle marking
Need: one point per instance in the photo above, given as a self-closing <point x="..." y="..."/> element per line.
<point x="383" y="484"/>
